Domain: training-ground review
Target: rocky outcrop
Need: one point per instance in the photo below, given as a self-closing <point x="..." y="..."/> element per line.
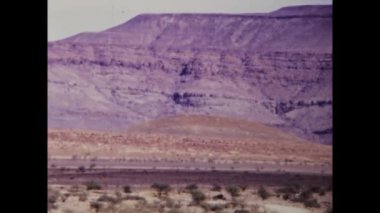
<point x="272" y="68"/>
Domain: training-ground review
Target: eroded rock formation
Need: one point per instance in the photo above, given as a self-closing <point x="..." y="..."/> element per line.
<point x="273" y="68"/>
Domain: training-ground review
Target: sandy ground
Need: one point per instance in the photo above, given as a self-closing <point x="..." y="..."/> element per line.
<point x="285" y="209"/>
<point x="77" y="199"/>
<point x="179" y="148"/>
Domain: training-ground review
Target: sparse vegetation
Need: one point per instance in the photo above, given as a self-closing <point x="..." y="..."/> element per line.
<point x="290" y="189"/>
<point x="65" y="196"/>
<point x="213" y="207"/>
<point x="305" y="196"/>
<point x="96" y="205"/>
<point x="315" y="189"/>
<point x="133" y="197"/>
<point x="216" y="187"/>
<point x="263" y="193"/>
<point x="92" y="185"/>
<point x="127" y="189"/>
<point x="107" y="198"/>
<point x="118" y="194"/>
<point x="286" y="196"/>
<point x="312" y="203"/>
<point x="205" y="200"/>
<point x="161" y="188"/>
<point x="233" y="190"/>
<point x="53" y="196"/>
<point x="243" y="187"/>
<point x="191" y="187"/>
<point x="322" y="192"/>
<point x="219" y="197"/>
<point x="197" y="196"/>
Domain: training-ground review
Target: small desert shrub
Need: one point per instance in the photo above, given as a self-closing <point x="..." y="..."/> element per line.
<point x="170" y="203"/>
<point x="92" y="185"/>
<point x="118" y="194"/>
<point x="106" y="198"/>
<point x="52" y="196"/>
<point x="263" y="193"/>
<point x="315" y="189"/>
<point x="198" y="196"/>
<point x="213" y="207"/>
<point x="161" y="188"/>
<point x="216" y="187"/>
<point x="234" y="191"/>
<point x="65" y="196"/>
<point x="312" y="203"/>
<point x="291" y="189"/>
<point x="305" y="195"/>
<point x="306" y="198"/>
<point x="217" y="207"/>
<point x="219" y="197"/>
<point x="286" y="196"/>
<point x="191" y="187"/>
<point x="96" y="205"/>
<point x="134" y="197"/>
<point x="127" y="189"/>
<point x="243" y="187"/>
<point x="322" y="192"/>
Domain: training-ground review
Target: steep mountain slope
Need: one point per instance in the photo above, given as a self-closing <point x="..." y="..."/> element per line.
<point x="271" y="68"/>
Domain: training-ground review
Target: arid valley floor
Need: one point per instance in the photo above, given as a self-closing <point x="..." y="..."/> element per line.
<point x="182" y="150"/>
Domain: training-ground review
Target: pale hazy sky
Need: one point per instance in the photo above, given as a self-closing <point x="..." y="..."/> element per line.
<point x="69" y="17"/>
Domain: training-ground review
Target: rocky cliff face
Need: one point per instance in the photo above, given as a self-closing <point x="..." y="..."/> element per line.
<point x="272" y="68"/>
